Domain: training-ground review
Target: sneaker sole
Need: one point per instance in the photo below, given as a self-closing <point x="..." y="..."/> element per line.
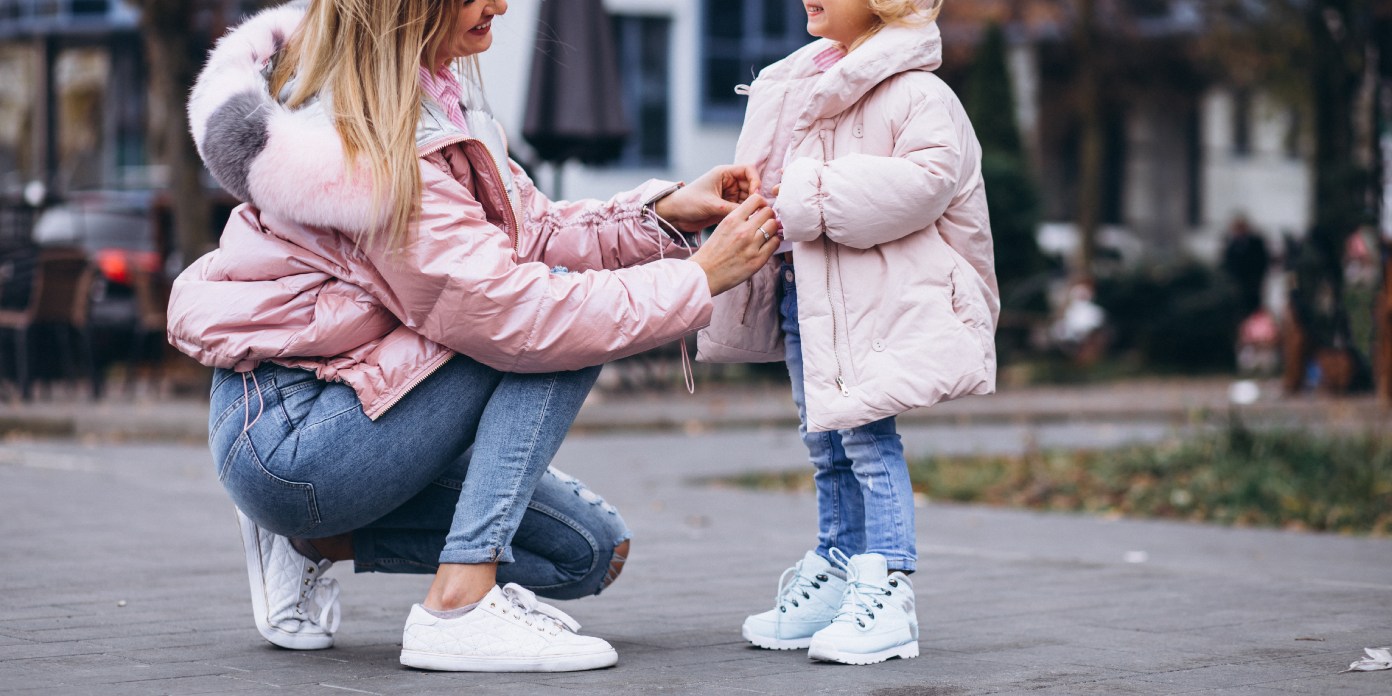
<point x="251" y="546"/>
<point x="775" y="643"/>
<point x="826" y="653"/>
<point x="454" y="663"/>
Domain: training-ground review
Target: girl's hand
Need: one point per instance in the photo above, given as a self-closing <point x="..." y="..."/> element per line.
<point x="741" y="245"/>
<point x="710" y="198"/>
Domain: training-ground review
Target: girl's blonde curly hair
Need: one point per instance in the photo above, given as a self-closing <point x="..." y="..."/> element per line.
<point x="892" y="12"/>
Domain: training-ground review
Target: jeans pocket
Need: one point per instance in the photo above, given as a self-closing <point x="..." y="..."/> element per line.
<point x="280" y="505"/>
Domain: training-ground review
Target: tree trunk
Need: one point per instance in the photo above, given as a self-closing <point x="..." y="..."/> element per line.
<point x="1090" y="149"/>
<point x="171" y="48"/>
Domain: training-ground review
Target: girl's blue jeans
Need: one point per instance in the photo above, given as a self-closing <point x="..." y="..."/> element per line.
<point x="457" y="472"/>
<point x="865" y="500"/>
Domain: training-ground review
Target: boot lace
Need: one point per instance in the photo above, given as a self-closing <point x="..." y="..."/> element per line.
<point x="793" y="591"/>
<point x="861" y="599"/>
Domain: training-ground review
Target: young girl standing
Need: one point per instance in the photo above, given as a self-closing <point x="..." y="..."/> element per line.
<point x="885" y="300"/>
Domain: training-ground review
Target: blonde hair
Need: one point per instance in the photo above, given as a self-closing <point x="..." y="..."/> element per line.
<point x="367" y="54"/>
<point x="899" y="12"/>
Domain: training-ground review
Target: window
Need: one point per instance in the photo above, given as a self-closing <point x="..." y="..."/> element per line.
<point x="740" y="38"/>
<point x="1295" y="130"/>
<point x="644" y="44"/>
<point x="58" y="9"/>
<point x="1242" y="123"/>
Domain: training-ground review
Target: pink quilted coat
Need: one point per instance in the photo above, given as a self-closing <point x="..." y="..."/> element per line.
<point x="883" y="200"/>
<point x="291" y="284"/>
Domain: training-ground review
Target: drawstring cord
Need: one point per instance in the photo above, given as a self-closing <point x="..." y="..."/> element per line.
<point x="247" y="420"/>
<point x="688" y="369"/>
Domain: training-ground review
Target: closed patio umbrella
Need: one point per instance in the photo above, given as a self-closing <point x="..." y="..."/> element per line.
<point x="574" y="107"/>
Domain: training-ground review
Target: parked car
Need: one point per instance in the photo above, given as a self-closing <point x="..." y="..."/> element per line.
<point x="117" y="230"/>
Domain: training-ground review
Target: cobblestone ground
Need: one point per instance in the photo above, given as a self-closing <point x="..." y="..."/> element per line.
<point x="122" y="574"/>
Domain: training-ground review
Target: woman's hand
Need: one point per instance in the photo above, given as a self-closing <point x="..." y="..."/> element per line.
<point x="741" y="245"/>
<point x="708" y="199"/>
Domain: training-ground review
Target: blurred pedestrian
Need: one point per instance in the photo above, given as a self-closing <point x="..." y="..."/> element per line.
<point x="1246" y="260"/>
<point x="888" y="301"/>
<point x="396" y="293"/>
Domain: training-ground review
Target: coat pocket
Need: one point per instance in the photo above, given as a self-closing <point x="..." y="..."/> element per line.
<point x="744" y="323"/>
<point x="970" y="307"/>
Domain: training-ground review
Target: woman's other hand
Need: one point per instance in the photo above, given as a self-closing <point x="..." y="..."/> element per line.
<point x="741" y="245"/>
<point x="709" y="199"/>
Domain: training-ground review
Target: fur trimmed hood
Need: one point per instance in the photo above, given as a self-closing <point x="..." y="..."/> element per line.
<point x="286" y="162"/>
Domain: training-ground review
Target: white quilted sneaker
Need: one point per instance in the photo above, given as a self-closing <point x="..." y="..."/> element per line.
<point x="876" y="621"/>
<point x="294" y="605"/>
<point x="805" y="604"/>
<point x="509" y="631"/>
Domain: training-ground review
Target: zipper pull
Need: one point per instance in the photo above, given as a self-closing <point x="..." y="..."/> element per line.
<point x="842" y="384"/>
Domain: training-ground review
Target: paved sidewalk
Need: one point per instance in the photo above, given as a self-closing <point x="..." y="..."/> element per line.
<point x="720" y="406"/>
<point x="123" y="575"/>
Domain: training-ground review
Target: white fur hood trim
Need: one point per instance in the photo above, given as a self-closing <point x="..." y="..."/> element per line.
<point x="288" y="163"/>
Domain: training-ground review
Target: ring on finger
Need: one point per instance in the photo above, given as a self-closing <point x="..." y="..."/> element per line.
<point x="765" y="233"/>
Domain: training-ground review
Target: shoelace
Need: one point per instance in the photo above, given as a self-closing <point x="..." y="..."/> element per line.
<point x="530" y="608"/>
<point x="788" y="590"/>
<point x="320" y="595"/>
<point x="861" y="598"/>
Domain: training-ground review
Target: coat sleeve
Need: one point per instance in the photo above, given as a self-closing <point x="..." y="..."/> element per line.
<point x="590" y="234"/>
<point x="457" y="282"/>
<point x="861" y="200"/>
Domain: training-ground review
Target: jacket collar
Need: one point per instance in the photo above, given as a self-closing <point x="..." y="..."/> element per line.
<point x="894" y="50"/>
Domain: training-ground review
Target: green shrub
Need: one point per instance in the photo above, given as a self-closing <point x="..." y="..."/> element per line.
<point x="1182" y="317"/>
<point x="1340" y="483"/>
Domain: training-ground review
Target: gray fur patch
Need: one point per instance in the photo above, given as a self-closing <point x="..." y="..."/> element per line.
<point x="237" y="133"/>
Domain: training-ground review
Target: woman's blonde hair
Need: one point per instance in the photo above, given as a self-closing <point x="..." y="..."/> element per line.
<point x="367" y="55"/>
<point x="891" y="12"/>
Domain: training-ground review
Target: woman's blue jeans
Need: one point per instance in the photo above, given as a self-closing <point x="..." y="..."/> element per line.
<point x="864" y="496"/>
<point x="457" y="472"/>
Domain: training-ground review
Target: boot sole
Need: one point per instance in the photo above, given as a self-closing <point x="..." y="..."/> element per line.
<point x="827" y="653"/>
<point x="776" y="643"/>
<point x="437" y="662"/>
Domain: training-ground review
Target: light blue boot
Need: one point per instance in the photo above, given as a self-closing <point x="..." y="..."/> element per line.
<point x="877" y="619"/>
<point x="805" y="604"/>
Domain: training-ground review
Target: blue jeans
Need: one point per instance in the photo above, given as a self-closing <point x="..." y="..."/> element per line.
<point x="457" y="472"/>
<point x="864" y="496"/>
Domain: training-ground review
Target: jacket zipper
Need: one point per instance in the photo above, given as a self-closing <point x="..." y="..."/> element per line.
<point x="511" y="217"/>
<point x="826" y="254"/>
<point x="430" y="149"/>
<point x="414" y="383"/>
<point x="782" y="107"/>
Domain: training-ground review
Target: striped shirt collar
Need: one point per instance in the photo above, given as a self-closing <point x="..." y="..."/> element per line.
<point x="829" y="57"/>
<point x="444" y="89"/>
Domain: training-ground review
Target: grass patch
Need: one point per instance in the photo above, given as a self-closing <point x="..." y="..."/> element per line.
<point x="1287" y="479"/>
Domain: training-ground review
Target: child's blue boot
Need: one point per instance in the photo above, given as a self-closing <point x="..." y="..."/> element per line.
<point x="805" y="604"/>
<point x="877" y="618"/>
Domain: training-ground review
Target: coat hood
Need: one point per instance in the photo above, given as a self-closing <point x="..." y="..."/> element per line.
<point x="895" y="49"/>
<point x="286" y="162"/>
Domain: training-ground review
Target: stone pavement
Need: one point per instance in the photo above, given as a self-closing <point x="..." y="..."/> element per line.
<point x="722" y="406"/>
<point x="122" y="574"/>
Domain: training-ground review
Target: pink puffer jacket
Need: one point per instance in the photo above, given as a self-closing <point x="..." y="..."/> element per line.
<point x="884" y="201"/>
<point x="291" y="284"/>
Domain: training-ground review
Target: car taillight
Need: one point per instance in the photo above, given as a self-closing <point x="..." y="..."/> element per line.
<point x="116" y="264"/>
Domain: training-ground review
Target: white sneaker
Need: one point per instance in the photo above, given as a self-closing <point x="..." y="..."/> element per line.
<point x="509" y="631"/>
<point x="876" y="621"/>
<point x="294" y="605"/>
<point x="805" y="604"/>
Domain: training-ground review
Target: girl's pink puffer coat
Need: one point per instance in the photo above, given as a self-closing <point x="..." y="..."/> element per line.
<point x="291" y="284"/>
<point x="884" y="203"/>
